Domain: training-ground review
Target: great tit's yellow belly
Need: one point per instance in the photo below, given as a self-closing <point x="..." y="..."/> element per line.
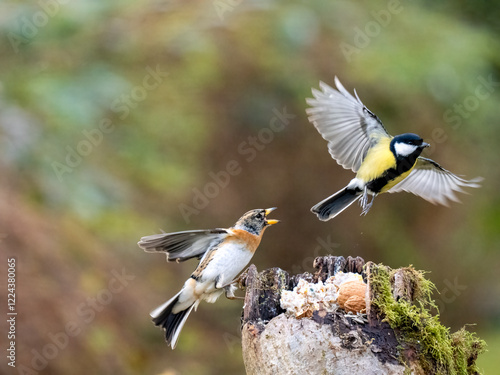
<point x="380" y="170"/>
<point x="378" y="160"/>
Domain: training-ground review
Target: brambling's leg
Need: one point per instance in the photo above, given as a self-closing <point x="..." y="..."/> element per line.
<point x="238" y="283"/>
<point x="230" y="292"/>
<point x="241" y="280"/>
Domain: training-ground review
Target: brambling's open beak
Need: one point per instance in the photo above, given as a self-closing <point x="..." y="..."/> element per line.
<point x="272" y="221"/>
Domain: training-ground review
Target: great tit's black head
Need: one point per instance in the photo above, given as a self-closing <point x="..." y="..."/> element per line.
<point x="256" y="220"/>
<point x="407" y="144"/>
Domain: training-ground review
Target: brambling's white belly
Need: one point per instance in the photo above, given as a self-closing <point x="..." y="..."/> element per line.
<point x="227" y="263"/>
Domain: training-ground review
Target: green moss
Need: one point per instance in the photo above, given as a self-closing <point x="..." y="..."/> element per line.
<point x="438" y="351"/>
<point x="467" y="346"/>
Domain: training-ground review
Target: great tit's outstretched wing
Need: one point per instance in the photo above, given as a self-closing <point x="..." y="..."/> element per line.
<point x="434" y="183"/>
<point x="181" y="246"/>
<point x="343" y="120"/>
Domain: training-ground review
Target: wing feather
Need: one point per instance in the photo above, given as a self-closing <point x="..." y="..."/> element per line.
<point x="434" y="183"/>
<point x="344" y="121"/>
<point x="181" y="246"/>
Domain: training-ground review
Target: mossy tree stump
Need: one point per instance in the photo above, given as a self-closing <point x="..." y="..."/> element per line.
<point x="400" y="334"/>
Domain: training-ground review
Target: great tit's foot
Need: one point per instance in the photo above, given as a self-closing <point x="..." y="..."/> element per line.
<point x="366" y="209"/>
<point x="364" y="202"/>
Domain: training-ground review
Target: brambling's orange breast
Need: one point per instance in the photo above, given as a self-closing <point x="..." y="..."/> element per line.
<point x="247" y="239"/>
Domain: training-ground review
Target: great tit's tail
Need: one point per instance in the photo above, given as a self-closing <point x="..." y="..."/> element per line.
<point x="171" y="322"/>
<point x="336" y="203"/>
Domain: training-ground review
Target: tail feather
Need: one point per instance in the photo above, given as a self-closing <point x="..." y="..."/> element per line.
<point x="171" y="323"/>
<point x="335" y="204"/>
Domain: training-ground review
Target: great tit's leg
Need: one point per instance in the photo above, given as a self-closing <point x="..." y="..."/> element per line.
<point x="363" y="202"/>
<point x="367" y="205"/>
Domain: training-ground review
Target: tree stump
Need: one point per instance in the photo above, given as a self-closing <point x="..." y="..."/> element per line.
<point x="340" y="343"/>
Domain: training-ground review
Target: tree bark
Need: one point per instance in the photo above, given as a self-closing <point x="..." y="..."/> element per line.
<point x="326" y="343"/>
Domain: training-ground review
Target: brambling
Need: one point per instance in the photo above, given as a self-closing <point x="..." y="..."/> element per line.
<point x="223" y="252"/>
<point x="357" y="140"/>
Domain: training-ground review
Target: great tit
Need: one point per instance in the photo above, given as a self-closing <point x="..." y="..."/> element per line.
<point x="357" y="140"/>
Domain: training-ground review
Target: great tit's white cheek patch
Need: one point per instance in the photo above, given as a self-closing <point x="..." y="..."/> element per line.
<point x="404" y="149"/>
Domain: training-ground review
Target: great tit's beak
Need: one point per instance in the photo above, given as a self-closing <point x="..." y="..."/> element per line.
<point x="424" y="145"/>
<point x="272" y="221"/>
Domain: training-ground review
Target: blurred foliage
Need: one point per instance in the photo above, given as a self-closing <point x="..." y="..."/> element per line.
<point x="74" y="80"/>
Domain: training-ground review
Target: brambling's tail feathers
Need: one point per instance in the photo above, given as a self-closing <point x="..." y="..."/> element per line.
<point x="335" y="204"/>
<point x="181" y="246"/>
<point x="171" y="323"/>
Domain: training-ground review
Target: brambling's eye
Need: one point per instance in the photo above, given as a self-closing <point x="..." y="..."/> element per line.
<point x="259" y="216"/>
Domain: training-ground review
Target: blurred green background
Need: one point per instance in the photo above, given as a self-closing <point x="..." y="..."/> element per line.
<point x="115" y="116"/>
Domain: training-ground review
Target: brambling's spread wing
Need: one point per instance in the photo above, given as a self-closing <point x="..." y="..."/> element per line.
<point x="434" y="183"/>
<point x="343" y="120"/>
<point x="181" y="246"/>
